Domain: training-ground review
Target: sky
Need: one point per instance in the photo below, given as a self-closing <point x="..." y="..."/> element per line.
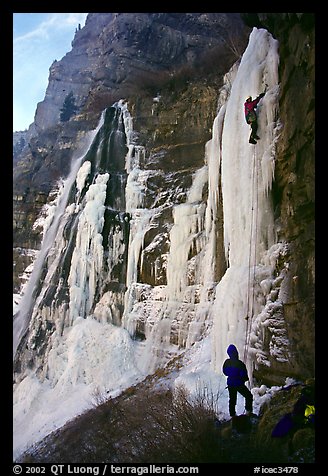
<point x="38" y="39"/>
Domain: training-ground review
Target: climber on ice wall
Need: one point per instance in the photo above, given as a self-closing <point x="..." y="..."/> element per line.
<point x="251" y="117"/>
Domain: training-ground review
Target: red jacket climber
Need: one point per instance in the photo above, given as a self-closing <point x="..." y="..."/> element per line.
<point x="250" y="116"/>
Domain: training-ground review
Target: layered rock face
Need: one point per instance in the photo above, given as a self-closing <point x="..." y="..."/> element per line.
<point x="295" y="181"/>
<point x="113" y="53"/>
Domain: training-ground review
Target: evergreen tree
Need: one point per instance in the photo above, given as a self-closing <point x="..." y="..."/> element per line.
<point x="69" y="108"/>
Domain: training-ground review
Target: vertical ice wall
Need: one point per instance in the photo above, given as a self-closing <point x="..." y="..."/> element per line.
<point x="87" y="259"/>
<point x="247" y="175"/>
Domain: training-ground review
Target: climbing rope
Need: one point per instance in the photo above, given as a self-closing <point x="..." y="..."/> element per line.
<point x="252" y="241"/>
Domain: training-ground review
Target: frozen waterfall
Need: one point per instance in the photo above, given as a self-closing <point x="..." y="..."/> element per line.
<point x="247" y="175"/>
<point x="91" y="324"/>
<point x="57" y="221"/>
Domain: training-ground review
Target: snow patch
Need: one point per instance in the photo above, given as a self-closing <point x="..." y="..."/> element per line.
<point x="75" y="375"/>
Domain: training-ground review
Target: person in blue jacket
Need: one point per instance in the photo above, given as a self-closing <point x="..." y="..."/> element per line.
<point x="237" y="375"/>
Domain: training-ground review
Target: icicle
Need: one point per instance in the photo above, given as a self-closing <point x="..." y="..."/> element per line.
<point x="187" y="229"/>
<point x="87" y="259"/>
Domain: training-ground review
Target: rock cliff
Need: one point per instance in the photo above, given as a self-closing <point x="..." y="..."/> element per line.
<point x="131" y="56"/>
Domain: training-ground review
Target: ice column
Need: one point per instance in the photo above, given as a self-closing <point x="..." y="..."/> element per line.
<point x="187" y="232"/>
<point x="247" y="174"/>
<point x="135" y="192"/>
<point x="87" y="259"/>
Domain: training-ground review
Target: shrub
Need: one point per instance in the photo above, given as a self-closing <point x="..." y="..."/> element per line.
<point x="69" y="108"/>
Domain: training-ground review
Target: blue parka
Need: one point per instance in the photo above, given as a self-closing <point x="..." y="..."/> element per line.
<point x="234" y="368"/>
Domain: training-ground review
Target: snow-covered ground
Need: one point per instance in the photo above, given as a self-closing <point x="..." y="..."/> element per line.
<point x="198" y="378"/>
<point x="80" y="377"/>
<point x="77" y="375"/>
